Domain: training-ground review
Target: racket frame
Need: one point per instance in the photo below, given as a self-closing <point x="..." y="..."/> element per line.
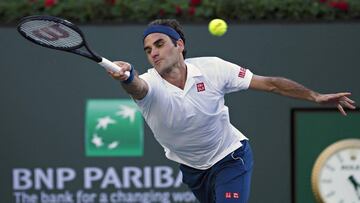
<point x="75" y="49"/>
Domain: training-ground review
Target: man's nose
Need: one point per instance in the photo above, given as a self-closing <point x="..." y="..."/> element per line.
<point x="154" y="53"/>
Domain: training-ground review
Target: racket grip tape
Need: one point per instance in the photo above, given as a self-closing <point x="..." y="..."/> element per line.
<point x="110" y="66"/>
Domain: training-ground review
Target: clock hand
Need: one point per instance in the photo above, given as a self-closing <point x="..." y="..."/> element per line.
<point x="355" y="184"/>
<point x="353" y="181"/>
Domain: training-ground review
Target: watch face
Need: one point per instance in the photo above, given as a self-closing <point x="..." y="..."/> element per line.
<point x="336" y="173"/>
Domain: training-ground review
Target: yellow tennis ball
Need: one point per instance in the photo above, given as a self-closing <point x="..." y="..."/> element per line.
<point x="217" y="27"/>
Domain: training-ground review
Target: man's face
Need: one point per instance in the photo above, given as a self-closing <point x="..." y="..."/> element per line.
<point x="161" y="51"/>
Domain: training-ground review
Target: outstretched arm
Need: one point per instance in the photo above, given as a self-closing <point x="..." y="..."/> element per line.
<point x="137" y="88"/>
<point x="293" y="89"/>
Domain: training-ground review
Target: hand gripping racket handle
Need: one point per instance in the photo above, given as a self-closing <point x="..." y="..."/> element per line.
<point x="110" y="66"/>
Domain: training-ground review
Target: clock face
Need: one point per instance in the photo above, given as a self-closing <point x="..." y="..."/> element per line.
<point x="336" y="173"/>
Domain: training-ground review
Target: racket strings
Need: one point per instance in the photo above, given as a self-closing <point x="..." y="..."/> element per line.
<point x="52" y="34"/>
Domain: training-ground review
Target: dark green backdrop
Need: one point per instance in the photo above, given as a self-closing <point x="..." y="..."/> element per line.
<point x="44" y="92"/>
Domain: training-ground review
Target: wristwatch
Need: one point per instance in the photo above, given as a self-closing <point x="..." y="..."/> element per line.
<point x="335" y="176"/>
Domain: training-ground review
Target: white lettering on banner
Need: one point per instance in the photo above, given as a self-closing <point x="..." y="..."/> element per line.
<point x="65" y="197"/>
<point x="40" y="177"/>
<point x="23" y="197"/>
<point x="163" y="177"/>
<point x="91" y="174"/>
<point x="97" y="178"/>
<point x="145" y="197"/>
<point x="132" y="174"/>
<point x="24" y="179"/>
<point x="178" y="180"/>
<point x="111" y="178"/>
<point x="64" y="175"/>
<point x="85" y="197"/>
<point x="183" y="197"/>
<point x="147" y="177"/>
<point x="119" y="196"/>
<point x="158" y="177"/>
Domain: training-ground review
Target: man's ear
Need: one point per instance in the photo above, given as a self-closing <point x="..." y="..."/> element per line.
<point x="180" y="44"/>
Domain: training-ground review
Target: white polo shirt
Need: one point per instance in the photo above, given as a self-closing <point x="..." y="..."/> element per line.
<point x="193" y="124"/>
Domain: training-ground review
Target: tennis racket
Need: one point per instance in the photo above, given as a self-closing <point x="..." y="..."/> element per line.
<point x="56" y="33"/>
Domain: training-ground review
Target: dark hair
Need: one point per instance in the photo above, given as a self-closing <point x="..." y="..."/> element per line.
<point x="173" y="24"/>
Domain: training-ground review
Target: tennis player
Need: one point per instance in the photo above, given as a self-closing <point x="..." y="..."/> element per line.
<point x="182" y="101"/>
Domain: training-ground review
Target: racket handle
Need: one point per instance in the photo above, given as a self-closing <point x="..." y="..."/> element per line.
<point x="110" y="66"/>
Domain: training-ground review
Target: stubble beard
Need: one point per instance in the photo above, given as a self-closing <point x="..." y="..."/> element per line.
<point x="165" y="69"/>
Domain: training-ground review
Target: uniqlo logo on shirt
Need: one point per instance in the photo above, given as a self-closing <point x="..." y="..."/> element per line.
<point x="228" y="195"/>
<point x="232" y="195"/>
<point x="200" y="87"/>
<point x="242" y="73"/>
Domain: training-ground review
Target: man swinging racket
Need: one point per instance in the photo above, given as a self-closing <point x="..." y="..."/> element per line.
<point x="182" y="101"/>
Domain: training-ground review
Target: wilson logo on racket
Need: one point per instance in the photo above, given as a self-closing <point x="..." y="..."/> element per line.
<point x="51" y="33"/>
<point x="60" y="34"/>
<point x="113" y="128"/>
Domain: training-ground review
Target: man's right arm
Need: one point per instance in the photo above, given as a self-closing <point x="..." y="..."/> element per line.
<point x="137" y="88"/>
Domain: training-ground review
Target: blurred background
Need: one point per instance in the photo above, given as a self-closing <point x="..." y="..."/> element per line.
<point x="45" y="96"/>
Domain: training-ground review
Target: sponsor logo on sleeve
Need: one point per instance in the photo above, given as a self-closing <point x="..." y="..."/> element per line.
<point x="242" y="73"/>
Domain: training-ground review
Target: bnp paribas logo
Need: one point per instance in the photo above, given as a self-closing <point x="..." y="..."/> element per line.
<point x="113" y="128"/>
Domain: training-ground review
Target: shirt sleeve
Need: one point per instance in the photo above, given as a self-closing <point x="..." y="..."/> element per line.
<point x="235" y="78"/>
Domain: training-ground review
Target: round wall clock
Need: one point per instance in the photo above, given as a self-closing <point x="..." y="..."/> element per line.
<point x="336" y="173"/>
